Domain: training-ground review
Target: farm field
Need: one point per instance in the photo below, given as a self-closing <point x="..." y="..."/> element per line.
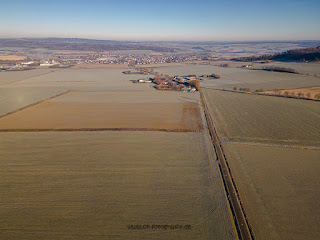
<point x="310" y="68"/>
<point x="56" y="181"/>
<point x="241" y="117"/>
<point x="85" y="79"/>
<point x="279" y="189"/>
<point x="16" y="76"/>
<point x="15" y="98"/>
<point x="96" y="110"/>
<point x="234" y="76"/>
<point x="51" y="115"/>
<point x="92" y="185"/>
<point x="272" y="146"/>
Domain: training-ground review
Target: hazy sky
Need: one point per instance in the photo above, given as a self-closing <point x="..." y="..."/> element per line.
<point x="229" y="20"/>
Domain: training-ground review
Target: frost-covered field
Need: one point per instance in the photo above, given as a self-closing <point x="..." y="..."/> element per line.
<point x="235" y="76"/>
<point x="93" y="185"/>
<point x="272" y="146"/>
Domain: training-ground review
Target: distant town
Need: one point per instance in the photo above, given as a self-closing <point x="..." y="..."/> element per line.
<point x="17" y="62"/>
<point x="26" y="54"/>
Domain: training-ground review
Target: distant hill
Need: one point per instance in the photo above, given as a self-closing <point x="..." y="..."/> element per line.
<point x="198" y="48"/>
<point x="79" y="44"/>
<point x="304" y="54"/>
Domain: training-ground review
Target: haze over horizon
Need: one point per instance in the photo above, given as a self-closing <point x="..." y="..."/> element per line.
<point x="164" y="20"/>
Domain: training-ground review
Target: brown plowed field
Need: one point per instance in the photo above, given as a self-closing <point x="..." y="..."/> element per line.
<point x="60" y="115"/>
<point x="12" y="58"/>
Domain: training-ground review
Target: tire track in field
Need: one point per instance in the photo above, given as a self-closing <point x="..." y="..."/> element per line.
<point x="275" y="145"/>
<point x="30" y="77"/>
<point x="35" y="103"/>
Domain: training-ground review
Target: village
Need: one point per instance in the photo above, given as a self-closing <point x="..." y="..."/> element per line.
<point x="190" y="83"/>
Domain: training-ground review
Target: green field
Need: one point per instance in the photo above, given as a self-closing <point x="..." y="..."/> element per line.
<point x="91" y="185"/>
<point x="263" y="119"/>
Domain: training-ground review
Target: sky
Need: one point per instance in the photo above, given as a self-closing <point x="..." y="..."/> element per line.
<point x="174" y="20"/>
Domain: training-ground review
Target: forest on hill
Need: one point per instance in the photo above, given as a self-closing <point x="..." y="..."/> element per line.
<point x="303" y="54"/>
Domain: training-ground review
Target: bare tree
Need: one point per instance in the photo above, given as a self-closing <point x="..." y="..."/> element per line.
<point x="300" y="94"/>
<point x="308" y="95"/>
<point x="259" y="90"/>
<point x="195" y="83"/>
<point x="277" y="91"/>
<point x="286" y="93"/>
<point x="235" y="88"/>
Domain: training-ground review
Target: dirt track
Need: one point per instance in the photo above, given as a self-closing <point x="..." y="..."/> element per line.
<point x="243" y="228"/>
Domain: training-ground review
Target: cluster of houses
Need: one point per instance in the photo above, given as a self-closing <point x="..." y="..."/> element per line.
<point x="190" y="83"/>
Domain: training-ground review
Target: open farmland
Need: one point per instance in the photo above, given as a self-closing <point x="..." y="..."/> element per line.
<point x="12" y="99"/>
<point x="241" y="117"/>
<point x="235" y="76"/>
<point x="279" y="189"/>
<point x="272" y="147"/>
<point x="91" y="185"/>
<point x="81" y="79"/>
<point x="16" y="76"/>
<point x="311" y="68"/>
<point x="101" y="110"/>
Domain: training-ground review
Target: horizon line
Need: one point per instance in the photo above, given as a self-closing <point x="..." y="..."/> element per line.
<point x="131" y="40"/>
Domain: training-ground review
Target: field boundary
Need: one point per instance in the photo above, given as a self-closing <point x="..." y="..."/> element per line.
<point x="274" y="145"/>
<point x="264" y="94"/>
<point x="100" y="129"/>
<point x="35" y="103"/>
<point x="31" y="77"/>
<point x="240" y="219"/>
